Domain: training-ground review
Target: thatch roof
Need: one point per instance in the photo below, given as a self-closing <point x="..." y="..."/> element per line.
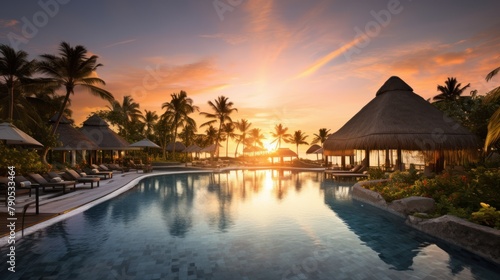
<point x="314" y="149"/>
<point x="97" y="130"/>
<point x="284" y="152"/>
<point x="70" y="137"/>
<point x="397" y="118"/>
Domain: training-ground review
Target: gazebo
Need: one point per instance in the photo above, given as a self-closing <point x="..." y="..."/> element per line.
<point x="97" y="130"/>
<point x="398" y="119"/>
<point x="72" y="140"/>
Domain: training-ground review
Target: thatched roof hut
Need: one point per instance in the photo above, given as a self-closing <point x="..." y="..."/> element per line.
<point x="71" y="138"/>
<point x="97" y="130"/>
<point x="397" y="118"/>
<point x="178" y="146"/>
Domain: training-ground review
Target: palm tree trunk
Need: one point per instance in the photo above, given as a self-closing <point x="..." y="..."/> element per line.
<point x="11" y="89"/>
<point x="56" y="124"/>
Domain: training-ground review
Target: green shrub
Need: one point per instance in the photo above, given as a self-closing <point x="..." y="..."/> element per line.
<point x="376" y="173"/>
<point x="22" y="159"/>
<point x="487" y="215"/>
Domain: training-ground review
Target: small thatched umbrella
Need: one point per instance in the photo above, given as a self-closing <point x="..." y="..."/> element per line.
<point x="192" y="149"/>
<point x="72" y="139"/>
<point x="399" y="119"/>
<point x="315" y="149"/>
<point x="284" y="152"/>
<point x="177" y="146"/>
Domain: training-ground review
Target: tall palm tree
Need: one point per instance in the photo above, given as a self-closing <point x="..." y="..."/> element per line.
<point x="14" y="68"/>
<point x="280" y="133"/>
<point x="228" y="129"/>
<point x="451" y="91"/>
<point x="321" y="136"/>
<point x="71" y="69"/>
<point x="494" y="123"/>
<point x="298" y="138"/>
<point x="256" y="137"/>
<point x="222" y="108"/>
<point x="243" y="126"/>
<point x="149" y="119"/>
<point x="178" y="110"/>
<point x="125" y="115"/>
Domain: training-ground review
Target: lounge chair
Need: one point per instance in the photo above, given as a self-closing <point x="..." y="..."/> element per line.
<point x="104" y="174"/>
<point x="20" y="183"/>
<point x="73" y="175"/>
<point x="39" y="179"/>
<point x="116" y="167"/>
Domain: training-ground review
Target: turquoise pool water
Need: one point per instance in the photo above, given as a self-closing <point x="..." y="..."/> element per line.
<point x="239" y="225"/>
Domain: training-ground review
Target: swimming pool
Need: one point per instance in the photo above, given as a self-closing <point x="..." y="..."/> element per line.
<point x="244" y="224"/>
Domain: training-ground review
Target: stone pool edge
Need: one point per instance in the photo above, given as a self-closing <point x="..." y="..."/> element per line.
<point x="480" y="240"/>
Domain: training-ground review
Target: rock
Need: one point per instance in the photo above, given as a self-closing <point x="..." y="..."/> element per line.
<point x="482" y="240"/>
<point x="368" y="196"/>
<point x="412" y="204"/>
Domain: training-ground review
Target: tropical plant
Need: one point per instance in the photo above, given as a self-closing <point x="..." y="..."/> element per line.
<point x="243" y="126"/>
<point x="451" y="91"/>
<point x="228" y="129"/>
<point x="72" y="68"/>
<point x="494" y="123"/>
<point x="321" y="136"/>
<point x="256" y="137"/>
<point x="222" y="108"/>
<point x="15" y="68"/>
<point x="280" y="133"/>
<point x="149" y="119"/>
<point x="298" y="138"/>
<point x="177" y="111"/>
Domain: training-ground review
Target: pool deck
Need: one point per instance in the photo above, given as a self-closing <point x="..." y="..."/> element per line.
<point x="54" y="205"/>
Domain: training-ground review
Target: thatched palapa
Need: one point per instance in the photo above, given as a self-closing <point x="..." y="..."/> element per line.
<point x="71" y="138"/>
<point x="97" y="130"/>
<point x="397" y="118"/>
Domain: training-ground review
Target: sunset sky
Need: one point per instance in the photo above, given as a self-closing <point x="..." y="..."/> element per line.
<point x="306" y="64"/>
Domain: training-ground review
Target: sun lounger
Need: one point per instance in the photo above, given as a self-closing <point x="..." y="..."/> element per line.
<point x="39" y="179"/>
<point x="114" y="166"/>
<point x="104" y="174"/>
<point x="73" y="175"/>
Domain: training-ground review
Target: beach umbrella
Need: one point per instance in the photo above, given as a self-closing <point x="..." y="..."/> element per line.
<point x="179" y="147"/>
<point x="145" y="143"/>
<point x="315" y="149"/>
<point x="11" y="135"/>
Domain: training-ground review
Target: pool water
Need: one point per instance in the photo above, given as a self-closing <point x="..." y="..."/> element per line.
<point x="245" y="224"/>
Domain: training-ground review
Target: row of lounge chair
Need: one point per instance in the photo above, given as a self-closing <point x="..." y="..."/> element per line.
<point x="358" y="171"/>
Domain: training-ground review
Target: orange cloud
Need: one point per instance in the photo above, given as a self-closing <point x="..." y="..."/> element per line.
<point x="6" y="23"/>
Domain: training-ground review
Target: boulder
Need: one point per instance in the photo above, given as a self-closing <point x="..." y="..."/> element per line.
<point x="368" y="196"/>
<point x="413" y="204"/>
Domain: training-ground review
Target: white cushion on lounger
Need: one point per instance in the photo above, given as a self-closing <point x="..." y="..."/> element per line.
<point x="56" y="180"/>
<point x="25" y="184"/>
<point x="83" y="174"/>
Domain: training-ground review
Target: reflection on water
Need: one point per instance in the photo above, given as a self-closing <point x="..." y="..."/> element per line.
<point x="248" y="223"/>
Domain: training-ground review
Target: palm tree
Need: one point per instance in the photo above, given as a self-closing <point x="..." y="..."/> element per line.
<point x="256" y="137"/>
<point x="70" y="69"/>
<point x="280" y="134"/>
<point x="222" y="110"/>
<point x="321" y="136"/>
<point x="298" y="138"/>
<point x="243" y="126"/>
<point x="14" y="68"/>
<point x="149" y="119"/>
<point x="125" y="115"/>
<point x="228" y="129"/>
<point x="494" y="123"/>
<point x="177" y="111"/>
<point x="450" y="91"/>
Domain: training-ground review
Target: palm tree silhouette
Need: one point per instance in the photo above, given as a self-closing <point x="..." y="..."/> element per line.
<point x="494" y="123"/>
<point x="298" y="138"/>
<point x="280" y="134"/>
<point x="228" y="129"/>
<point x="243" y="126"/>
<point x="451" y="91"/>
<point x="14" y="68"/>
<point x="177" y="111"/>
<point x="321" y="136"/>
<point x="222" y="110"/>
